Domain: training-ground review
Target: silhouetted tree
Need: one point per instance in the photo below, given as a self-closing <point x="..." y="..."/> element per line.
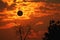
<point x="53" y="31"/>
<point x="20" y="31"/>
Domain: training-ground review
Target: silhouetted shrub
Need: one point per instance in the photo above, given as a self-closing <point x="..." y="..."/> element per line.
<point x="53" y="31"/>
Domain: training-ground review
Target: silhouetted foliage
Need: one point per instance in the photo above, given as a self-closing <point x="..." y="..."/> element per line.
<point x="53" y="31"/>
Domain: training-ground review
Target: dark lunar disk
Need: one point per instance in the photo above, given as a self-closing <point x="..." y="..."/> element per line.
<point x="19" y="13"/>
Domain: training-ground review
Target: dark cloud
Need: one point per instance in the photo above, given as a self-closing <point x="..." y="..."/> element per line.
<point x="11" y="7"/>
<point x="53" y="1"/>
<point x="2" y="16"/>
<point x="50" y="8"/>
<point x="38" y="0"/>
<point x="33" y="0"/>
<point x="2" y="23"/>
<point x="2" y="5"/>
<point x="14" y="0"/>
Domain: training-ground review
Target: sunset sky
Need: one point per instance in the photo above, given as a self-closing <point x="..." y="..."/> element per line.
<point x="36" y="14"/>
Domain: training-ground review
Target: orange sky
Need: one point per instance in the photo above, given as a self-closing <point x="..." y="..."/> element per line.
<point x="30" y="10"/>
<point x="35" y="14"/>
